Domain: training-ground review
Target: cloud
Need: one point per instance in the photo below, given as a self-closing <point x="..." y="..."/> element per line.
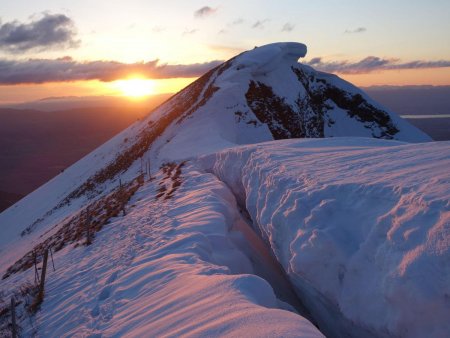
<point x="190" y="31"/>
<point x="50" y="31"/>
<point x="66" y="69"/>
<point x="204" y="12"/>
<point x="356" y="30"/>
<point x="236" y="22"/>
<point x="260" y="23"/>
<point x="288" y="27"/>
<point x="230" y="25"/>
<point x="158" y="29"/>
<point x="371" y="64"/>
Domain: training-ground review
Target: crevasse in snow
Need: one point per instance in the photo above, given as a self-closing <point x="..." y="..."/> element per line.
<point x="362" y="227"/>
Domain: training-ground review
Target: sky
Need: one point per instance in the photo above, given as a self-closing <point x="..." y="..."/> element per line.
<point x="65" y="48"/>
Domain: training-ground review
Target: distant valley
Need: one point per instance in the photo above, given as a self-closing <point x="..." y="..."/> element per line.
<point x="38" y="144"/>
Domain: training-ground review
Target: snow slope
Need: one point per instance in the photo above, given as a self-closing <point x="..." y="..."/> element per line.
<point x="170" y="267"/>
<point x="190" y="225"/>
<point x="362" y="227"/>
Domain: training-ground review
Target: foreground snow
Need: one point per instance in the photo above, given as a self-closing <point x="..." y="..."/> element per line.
<point x="175" y="267"/>
<point x="359" y="226"/>
<point x="362" y="227"/>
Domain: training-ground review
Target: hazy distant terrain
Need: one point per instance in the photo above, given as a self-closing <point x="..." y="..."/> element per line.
<point x="438" y="129"/>
<point x="40" y="139"/>
<point x="36" y="145"/>
<point x="7" y="199"/>
<point x="418" y="100"/>
<point x="413" y="100"/>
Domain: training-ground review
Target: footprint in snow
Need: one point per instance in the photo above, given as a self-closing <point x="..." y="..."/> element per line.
<point x="95" y="335"/>
<point x="95" y="311"/>
<point x="105" y="293"/>
<point x="113" y="277"/>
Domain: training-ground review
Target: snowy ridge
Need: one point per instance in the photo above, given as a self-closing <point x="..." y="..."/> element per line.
<point x="362" y="227"/>
<point x="268" y="58"/>
<point x="170" y="267"/>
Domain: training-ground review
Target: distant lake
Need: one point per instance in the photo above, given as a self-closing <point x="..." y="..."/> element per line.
<point x="437" y="126"/>
<point x="437" y="116"/>
<point x="426" y="107"/>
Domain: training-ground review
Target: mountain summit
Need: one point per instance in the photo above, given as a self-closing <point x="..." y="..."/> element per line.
<point x="265" y="94"/>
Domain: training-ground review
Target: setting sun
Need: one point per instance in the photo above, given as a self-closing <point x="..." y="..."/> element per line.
<point x="135" y="87"/>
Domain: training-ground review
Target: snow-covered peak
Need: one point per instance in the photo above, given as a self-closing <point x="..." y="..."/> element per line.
<point x="268" y="58"/>
<point x="265" y="94"/>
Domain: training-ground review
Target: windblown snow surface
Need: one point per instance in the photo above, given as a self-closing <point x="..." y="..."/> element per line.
<point x="362" y="227"/>
<point x="230" y="235"/>
<point x="168" y="268"/>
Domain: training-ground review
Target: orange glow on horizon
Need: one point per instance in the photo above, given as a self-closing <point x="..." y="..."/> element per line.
<point x="135" y="87"/>
<point x="405" y="77"/>
<point x="10" y="94"/>
<point x="31" y="92"/>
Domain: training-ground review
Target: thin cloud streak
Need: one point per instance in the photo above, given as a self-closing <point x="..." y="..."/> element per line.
<point x="204" y="12"/>
<point x="260" y="24"/>
<point x="238" y="21"/>
<point x="50" y="31"/>
<point x="288" y="27"/>
<point x="158" y="29"/>
<point x="190" y="31"/>
<point x="372" y="64"/>
<point x="231" y="25"/>
<point x="66" y="69"/>
<point x="356" y="30"/>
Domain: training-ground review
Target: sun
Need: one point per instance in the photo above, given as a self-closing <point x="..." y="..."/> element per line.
<point x="135" y="88"/>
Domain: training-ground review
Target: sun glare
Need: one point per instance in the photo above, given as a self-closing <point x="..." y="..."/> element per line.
<point x="135" y="88"/>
